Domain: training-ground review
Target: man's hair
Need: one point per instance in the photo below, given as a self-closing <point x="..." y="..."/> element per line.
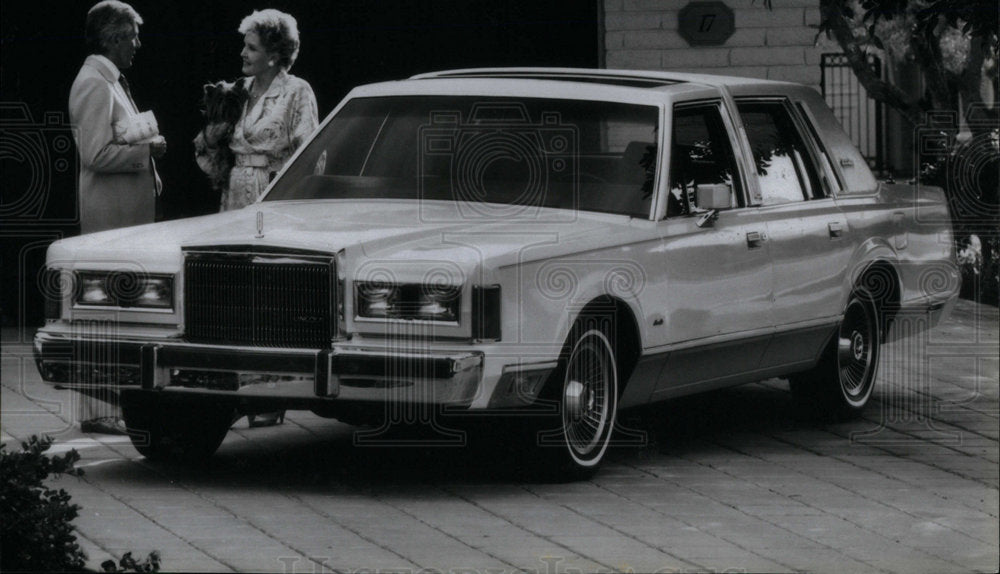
<point x="106" y="21"/>
<point x="278" y="33"/>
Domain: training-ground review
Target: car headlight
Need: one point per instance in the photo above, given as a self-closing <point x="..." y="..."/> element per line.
<point x="409" y="302"/>
<point x="376" y="300"/>
<point x="93" y="290"/>
<point x="125" y="289"/>
<point x="437" y="304"/>
<point x="157" y="292"/>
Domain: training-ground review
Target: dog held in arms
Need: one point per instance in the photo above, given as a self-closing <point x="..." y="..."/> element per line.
<point x="223" y="104"/>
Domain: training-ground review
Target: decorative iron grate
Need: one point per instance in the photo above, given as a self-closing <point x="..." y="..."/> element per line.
<point x="859" y="114"/>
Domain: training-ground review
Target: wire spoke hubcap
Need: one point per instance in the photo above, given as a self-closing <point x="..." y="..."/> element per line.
<point x="856" y="352"/>
<point x="589" y="396"/>
<point x="575" y="400"/>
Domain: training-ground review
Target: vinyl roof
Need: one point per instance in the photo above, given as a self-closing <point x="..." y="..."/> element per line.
<point x="626" y="78"/>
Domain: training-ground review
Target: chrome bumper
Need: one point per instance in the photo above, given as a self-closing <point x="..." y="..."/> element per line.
<point x="340" y="373"/>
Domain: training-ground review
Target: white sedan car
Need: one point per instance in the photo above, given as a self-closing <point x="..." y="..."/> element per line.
<point x="550" y="244"/>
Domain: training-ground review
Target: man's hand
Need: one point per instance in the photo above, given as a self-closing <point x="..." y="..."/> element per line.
<point x="158" y="148"/>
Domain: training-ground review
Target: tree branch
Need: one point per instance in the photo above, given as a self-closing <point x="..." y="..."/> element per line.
<point x="927" y="46"/>
<point x="832" y="12"/>
<point x="970" y="82"/>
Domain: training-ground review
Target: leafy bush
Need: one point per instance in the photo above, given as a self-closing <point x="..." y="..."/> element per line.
<point x="37" y="533"/>
<point x="129" y="564"/>
<point x="970" y="176"/>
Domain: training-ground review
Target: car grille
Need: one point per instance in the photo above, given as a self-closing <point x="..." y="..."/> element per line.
<point x="266" y="299"/>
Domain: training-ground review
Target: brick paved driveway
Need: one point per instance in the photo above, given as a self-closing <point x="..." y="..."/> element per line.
<point x="731" y="481"/>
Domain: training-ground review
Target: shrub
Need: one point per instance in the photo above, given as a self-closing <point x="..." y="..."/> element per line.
<point x="970" y="176"/>
<point x="37" y="531"/>
<point x="129" y="564"/>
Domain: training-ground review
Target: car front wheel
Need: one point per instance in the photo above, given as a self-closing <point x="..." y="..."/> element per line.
<point x="180" y="432"/>
<point x="589" y="400"/>
<point x="571" y="444"/>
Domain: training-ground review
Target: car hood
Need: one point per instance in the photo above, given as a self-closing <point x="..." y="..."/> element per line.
<point x="387" y="230"/>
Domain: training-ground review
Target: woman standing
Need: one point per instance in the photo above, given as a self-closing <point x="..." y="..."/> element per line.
<point x="278" y="116"/>
<point x="280" y="112"/>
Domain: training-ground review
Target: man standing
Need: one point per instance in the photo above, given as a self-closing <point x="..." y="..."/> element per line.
<point x="118" y="180"/>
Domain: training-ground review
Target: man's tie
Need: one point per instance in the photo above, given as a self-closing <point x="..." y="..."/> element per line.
<point x="128" y="92"/>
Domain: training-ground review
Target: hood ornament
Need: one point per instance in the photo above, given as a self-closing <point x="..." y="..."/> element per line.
<point x="260" y="225"/>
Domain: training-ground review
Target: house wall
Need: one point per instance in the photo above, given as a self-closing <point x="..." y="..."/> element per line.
<point x="777" y="44"/>
<point x="783" y="43"/>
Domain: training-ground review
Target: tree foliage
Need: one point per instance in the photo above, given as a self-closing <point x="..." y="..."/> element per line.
<point x="953" y="44"/>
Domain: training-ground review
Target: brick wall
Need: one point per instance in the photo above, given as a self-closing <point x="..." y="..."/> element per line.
<point x="777" y="44"/>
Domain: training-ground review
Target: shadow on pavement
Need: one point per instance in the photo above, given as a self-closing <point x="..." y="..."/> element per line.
<point x="318" y="452"/>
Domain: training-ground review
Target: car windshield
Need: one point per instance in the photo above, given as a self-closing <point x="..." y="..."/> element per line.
<point x="570" y="154"/>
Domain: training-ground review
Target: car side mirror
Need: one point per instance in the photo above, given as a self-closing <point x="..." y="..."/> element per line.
<point x="714" y="196"/>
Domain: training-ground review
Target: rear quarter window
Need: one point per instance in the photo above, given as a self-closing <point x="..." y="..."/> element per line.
<point x="850" y="166"/>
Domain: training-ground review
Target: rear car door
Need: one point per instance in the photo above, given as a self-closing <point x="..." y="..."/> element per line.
<point x="808" y="235"/>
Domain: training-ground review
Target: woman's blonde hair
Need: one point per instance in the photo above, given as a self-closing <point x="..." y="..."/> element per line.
<point x="278" y="33"/>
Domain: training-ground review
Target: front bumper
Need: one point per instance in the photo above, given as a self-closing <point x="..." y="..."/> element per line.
<point x="296" y="376"/>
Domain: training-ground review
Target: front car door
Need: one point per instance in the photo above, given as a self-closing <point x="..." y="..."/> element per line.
<point x="714" y="285"/>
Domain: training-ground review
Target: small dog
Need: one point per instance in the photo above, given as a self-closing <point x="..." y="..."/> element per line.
<point x="223" y="104"/>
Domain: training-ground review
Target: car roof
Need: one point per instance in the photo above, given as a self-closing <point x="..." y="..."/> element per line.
<point x="631" y="86"/>
<point x="613" y="77"/>
<point x="636" y="86"/>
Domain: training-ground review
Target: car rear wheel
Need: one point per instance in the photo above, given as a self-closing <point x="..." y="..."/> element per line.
<point x="180" y="432"/>
<point x="840" y="386"/>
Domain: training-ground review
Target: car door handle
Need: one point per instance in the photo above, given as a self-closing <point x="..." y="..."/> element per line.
<point x="755" y="239"/>
<point x="836" y="229"/>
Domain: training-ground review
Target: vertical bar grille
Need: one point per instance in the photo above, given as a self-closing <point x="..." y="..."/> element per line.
<point x="267" y="300"/>
<point x="859" y="114"/>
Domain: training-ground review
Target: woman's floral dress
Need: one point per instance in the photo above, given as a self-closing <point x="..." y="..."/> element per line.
<point x="266" y="135"/>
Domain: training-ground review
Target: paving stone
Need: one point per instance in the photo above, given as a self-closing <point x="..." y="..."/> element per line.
<point x="889" y="493"/>
<point x="622" y="554"/>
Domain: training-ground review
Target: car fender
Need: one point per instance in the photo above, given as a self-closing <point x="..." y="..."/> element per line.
<point x="875" y="250"/>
